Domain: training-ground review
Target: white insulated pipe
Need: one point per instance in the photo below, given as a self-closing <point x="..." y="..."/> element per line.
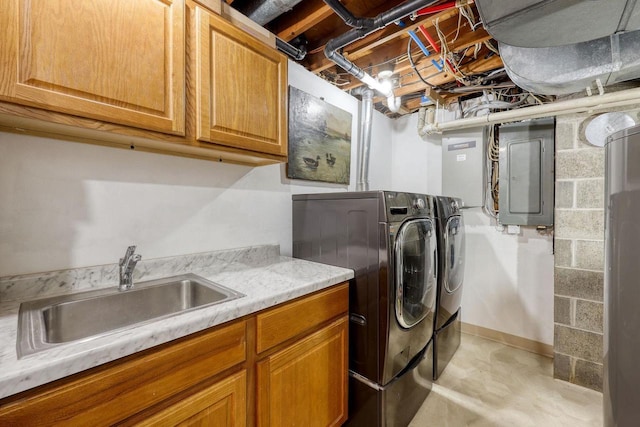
<point x="572" y="106"/>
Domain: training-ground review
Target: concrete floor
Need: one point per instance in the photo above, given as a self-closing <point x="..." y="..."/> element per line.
<point x="494" y="385"/>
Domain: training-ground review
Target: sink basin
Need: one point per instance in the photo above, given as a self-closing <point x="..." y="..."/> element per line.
<point x="50" y="322"/>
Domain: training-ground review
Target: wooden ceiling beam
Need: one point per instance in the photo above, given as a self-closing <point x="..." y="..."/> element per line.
<point x="425" y="65"/>
<point x="413" y="84"/>
<point x="310" y="15"/>
<point x="474" y="67"/>
<point x="366" y="46"/>
<point x="363" y="47"/>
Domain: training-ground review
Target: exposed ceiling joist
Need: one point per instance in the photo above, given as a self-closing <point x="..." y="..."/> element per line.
<point x="316" y="23"/>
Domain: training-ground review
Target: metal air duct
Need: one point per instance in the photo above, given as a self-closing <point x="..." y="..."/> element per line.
<point x="567" y="69"/>
<point x="364" y="146"/>
<point x="265" y="11"/>
<point x="544" y="23"/>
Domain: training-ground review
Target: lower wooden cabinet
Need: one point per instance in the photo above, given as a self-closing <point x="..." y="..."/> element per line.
<point x="223" y="404"/>
<point x="305" y="384"/>
<point x="218" y="377"/>
<point x="121" y="389"/>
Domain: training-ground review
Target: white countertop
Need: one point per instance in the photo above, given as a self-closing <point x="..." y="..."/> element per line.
<point x="266" y="280"/>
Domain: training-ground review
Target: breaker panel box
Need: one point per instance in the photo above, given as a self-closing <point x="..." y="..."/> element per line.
<point x="527" y="172"/>
<point x="463" y="171"/>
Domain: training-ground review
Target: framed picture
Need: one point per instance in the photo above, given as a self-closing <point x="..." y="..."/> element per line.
<point x="319" y="139"/>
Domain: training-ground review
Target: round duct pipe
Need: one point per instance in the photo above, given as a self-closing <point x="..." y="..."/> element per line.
<point x="364" y="146"/>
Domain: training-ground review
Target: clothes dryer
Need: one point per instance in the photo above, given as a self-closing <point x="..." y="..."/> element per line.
<point x="451" y="241"/>
<point x="390" y="241"/>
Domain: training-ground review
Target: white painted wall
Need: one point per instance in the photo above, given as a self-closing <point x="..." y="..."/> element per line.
<point x="417" y="161"/>
<point x="508" y="278"/>
<point x="508" y="282"/>
<point x="65" y="205"/>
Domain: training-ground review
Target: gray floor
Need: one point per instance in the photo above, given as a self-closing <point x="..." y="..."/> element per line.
<point x="491" y="384"/>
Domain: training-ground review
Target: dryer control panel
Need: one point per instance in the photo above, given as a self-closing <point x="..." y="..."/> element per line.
<point x="399" y="205"/>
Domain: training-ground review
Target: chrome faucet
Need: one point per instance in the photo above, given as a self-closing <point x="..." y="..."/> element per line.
<point x="127" y="265"/>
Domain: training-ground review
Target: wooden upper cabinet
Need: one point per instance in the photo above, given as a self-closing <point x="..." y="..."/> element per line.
<point x="118" y="61"/>
<point x="241" y="88"/>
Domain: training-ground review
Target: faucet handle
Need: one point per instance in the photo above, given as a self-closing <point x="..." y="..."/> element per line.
<point x="130" y="251"/>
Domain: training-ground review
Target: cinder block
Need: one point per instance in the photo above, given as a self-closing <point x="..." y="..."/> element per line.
<point x="562" y="310"/>
<point x="566" y="134"/>
<point x="581" y="344"/>
<point x="583" y="163"/>
<point x="589" y="315"/>
<point x="564" y="194"/>
<point x="563" y="252"/>
<point x="562" y="367"/>
<point x="589" y="254"/>
<point x="588" y="374"/>
<point x="590" y="193"/>
<point x="582" y="284"/>
<point x="579" y="224"/>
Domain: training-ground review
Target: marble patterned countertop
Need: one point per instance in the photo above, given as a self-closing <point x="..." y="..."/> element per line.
<point x="259" y="272"/>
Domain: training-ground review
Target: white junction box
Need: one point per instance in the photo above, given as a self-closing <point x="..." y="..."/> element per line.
<point x="463" y="173"/>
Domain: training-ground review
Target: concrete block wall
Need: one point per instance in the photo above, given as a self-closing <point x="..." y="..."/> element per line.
<point x="579" y="256"/>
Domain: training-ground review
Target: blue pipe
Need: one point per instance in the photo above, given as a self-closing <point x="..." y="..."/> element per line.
<point x="416" y="39"/>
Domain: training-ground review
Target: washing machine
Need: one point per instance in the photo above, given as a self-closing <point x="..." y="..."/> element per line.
<point x="390" y="241"/>
<point x="451" y="241"/>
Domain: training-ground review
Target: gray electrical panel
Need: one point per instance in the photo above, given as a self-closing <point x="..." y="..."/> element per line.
<point x="527" y="172"/>
<point x="463" y="165"/>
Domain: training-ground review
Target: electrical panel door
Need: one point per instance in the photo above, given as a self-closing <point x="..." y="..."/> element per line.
<point x="527" y="172"/>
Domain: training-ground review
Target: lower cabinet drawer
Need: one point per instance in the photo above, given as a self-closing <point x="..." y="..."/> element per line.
<point x="277" y="325"/>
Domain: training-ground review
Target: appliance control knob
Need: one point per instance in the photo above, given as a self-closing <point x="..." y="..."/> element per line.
<point x="419" y="204"/>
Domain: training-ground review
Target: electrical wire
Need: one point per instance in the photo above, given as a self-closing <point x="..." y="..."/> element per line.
<point x="491" y="164"/>
<point x="491" y="47"/>
<point x="413" y="65"/>
<point x="445" y="54"/>
<point x="467" y="12"/>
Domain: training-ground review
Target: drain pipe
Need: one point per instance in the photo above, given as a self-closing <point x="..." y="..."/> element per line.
<point x="426" y="116"/>
<point x="362" y="28"/>
<point x="293" y="52"/>
<point x="364" y="144"/>
<point x="591" y="104"/>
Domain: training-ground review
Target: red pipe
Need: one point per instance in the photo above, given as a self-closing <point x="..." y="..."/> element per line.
<point x="430" y="39"/>
<point x="433" y="9"/>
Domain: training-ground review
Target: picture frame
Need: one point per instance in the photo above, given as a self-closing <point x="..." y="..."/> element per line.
<point x="319" y="139"/>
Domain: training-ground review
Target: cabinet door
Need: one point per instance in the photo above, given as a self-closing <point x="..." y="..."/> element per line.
<point x="305" y="384"/>
<point x="223" y="404"/>
<point x="241" y="88"/>
<point x="118" y="61"/>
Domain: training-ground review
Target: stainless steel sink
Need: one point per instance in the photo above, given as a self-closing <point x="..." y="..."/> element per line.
<point x="50" y="322"/>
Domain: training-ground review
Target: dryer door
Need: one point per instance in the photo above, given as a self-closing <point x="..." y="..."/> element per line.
<point x="454" y="254"/>
<point x="415" y="263"/>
